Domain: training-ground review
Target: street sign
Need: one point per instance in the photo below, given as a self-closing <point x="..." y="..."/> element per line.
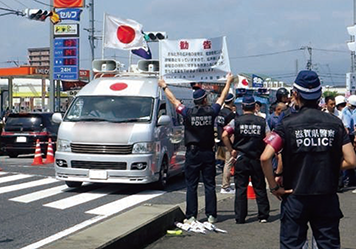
<point x="66" y="58"/>
<point x="66" y="30"/>
<point x="70" y="14"/>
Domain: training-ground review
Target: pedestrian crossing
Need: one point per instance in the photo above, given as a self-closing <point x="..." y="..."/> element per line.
<point x="77" y="198"/>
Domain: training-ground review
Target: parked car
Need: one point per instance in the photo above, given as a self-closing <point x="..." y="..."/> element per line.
<point x="22" y="130"/>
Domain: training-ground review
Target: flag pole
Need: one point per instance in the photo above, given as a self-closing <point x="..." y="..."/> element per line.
<point x="103" y="38"/>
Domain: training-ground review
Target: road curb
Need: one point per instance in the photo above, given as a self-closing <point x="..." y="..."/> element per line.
<point x="135" y="228"/>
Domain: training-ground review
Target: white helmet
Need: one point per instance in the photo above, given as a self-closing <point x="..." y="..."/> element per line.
<point x="352" y="100"/>
<point x="339" y="100"/>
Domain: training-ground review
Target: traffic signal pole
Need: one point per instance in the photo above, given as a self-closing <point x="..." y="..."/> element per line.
<point x="51" y="94"/>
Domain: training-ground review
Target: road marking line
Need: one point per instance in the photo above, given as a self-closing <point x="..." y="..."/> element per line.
<point x="80" y="198"/>
<point x="3" y="173"/>
<point x="20" y="186"/>
<point x="35" y="196"/>
<point x="145" y="194"/>
<point x="124" y="203"/>
<point x="13" y="178"/>
<point x="64" y="233"/>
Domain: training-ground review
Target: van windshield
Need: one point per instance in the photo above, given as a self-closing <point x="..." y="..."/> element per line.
<point x="111" y="109"/>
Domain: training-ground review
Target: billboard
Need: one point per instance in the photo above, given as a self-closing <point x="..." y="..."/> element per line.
<point x="68" y="3"/>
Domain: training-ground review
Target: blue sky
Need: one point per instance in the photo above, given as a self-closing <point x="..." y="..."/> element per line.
<point x="263" y="36"/>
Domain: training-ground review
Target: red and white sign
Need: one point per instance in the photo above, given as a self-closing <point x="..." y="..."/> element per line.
<point x="123" y="34"/>
<point x="68" y="3"/>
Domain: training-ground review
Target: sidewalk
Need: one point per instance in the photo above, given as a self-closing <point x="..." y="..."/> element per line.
<point x="252" y="234"/>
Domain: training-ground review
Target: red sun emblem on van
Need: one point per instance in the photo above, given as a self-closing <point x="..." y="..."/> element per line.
<point x="118" y="86"/>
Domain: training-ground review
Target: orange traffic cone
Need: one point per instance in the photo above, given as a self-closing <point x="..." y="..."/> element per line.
<point x="250" y="192"/>
<point x="37" y="160"/>
<point x="49" y="157"/>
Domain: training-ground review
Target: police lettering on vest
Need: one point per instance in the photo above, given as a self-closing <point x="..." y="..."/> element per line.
<point x="201" y="121"/>
<point x="314" y="137"/>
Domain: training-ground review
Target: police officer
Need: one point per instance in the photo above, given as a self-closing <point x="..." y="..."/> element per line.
<point x="199" y="140"/>
<point x="226" y="114"/>
<point x="281" y="96"/>
<point x="249" y="131"/>
<point x="315" y="146"/>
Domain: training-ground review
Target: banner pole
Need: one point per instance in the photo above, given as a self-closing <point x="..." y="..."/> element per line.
<point x="103" y="38"/>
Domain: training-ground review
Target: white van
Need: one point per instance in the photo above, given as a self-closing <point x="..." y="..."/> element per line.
<point x="121" y="129"/>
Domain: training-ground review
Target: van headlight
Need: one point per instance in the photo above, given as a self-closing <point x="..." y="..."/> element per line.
<point x="142" y="148"/>
<point x="63" y="145"/>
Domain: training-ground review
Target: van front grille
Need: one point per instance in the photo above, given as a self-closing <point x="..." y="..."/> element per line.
<point x="98" y="165"/>
<point x="101" y="149"/>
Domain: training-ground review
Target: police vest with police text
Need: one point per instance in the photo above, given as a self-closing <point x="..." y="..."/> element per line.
<point x="250" y="130"/>
<point x="199" y="126"/>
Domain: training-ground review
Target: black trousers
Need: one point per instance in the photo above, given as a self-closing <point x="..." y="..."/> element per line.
<point x="321" y="211"/>
<point x="244" y="169"/>
<point x="198" y="160"/>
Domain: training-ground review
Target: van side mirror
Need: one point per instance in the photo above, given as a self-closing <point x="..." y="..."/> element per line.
<point x="57" y="117"/>
<point x="164" y="120"/>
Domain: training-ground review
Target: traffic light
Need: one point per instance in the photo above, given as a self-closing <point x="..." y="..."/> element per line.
<point x="155" y="36"/>
<point x="37" y="14"/>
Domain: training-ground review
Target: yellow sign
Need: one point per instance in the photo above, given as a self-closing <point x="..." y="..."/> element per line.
<point x="66" y="30"/>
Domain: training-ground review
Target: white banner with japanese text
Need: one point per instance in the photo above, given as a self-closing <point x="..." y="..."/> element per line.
<point x="194" y="60"/>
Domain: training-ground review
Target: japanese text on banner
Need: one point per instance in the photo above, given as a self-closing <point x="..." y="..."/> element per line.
<point x="194" y="60"/>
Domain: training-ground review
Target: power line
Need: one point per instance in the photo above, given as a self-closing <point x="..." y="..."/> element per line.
<point x="6" y="5"/>
<point x="37" y="1"/>
<point x="267" y="54"/>
<point x="21" y="3"/>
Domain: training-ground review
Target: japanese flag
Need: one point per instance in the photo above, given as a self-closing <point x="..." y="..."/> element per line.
<point x="122" y="33"/>
<point x="241" y="82"/>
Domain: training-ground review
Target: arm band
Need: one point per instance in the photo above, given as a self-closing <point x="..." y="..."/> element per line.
<point x="180" y="108"/>
<point x="229" y="129"/>
<point x="275" y="141"/>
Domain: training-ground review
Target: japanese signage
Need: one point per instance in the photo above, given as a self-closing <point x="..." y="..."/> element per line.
<point x="66" y="30"/>
<point x="66" y="59"/>
<point x="70" y="14"/>
<point x="194" y="60"/>
<point x="257" y="81"/>
<point x="68" y="3"/>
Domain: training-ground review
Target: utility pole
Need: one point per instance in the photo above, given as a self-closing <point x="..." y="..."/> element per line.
<point x="353" y="40"/>
<point x="52" y="88"/>
<point x="310" y="51"/>
<point x="91" y="33"/>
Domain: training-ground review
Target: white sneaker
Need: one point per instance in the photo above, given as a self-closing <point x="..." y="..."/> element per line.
<point x="227" y="190"/>
<point x="354" y="191"/>
<point x="190" y="220"/>
<point x="212" y="219"/>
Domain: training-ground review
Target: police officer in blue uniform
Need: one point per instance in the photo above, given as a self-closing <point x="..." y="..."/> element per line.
<point x="315" y="147"/>
<point x="249" y="131"/>
<point x="199" y="140"/>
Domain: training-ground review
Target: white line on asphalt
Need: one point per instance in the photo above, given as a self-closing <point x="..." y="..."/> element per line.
<point x="13" y="178"/>
<point x="3" y="173"/>
<point x="80" y="198"/>
<point x="64" y="233"/>
<point x="124" y="203"/>
<point x="35" y="196"/>
<point x="31" y="184"/>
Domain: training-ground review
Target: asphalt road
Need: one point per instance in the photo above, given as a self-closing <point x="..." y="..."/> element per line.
<point x="36" y="209"/>
<point x="252" y="234"/>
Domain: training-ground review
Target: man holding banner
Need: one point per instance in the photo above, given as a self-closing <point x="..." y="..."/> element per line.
<point x="199" y="140"/>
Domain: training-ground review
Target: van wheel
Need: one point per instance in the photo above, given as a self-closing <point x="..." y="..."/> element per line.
<point x="163" y="176"/>
<point x="13" y="155"/>
<point x="74" y="184"/>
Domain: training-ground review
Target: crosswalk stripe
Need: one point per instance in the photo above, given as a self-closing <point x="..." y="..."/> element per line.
<point x="35" y="196"/>
<point x="25" y="185"/>
<point x="3" y="173"/>
<point x="80" y="198"/>
<point x="13" y="178"/>
<point x="124" y="203"/>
